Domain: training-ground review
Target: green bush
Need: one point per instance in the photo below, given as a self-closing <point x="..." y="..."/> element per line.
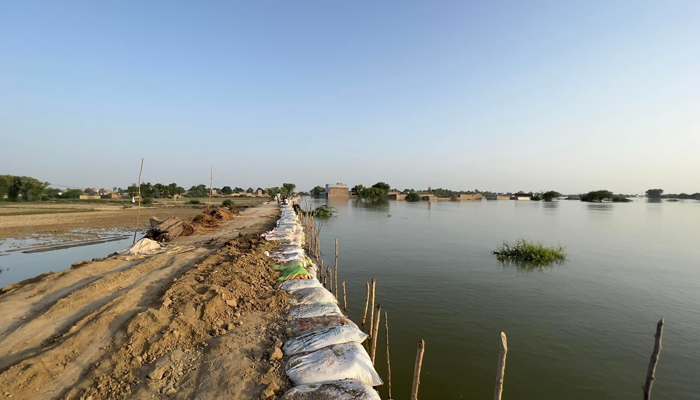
<point x="194" y="202"/>
<point x="324" y="211"/>
<point x="228" y="203"/>
<point x="523" y="251"/>
<point x="147" y="201"/>
<point x="413" y="197"/>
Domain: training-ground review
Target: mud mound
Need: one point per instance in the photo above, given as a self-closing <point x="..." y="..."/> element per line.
<point x="221" y="214"/>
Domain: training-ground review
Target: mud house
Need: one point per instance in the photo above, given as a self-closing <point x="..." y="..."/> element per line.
<point x="470" y="197"/>
<point x="337" y="191"/>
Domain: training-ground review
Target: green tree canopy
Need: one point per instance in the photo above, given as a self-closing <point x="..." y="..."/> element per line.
<point x="72" y="194"/>
<point x="654" y="193"/>
<point x="413" y="197"/>
<point x="90" y="192"/>
<point x="226" y="190"/>
<point x="317" y="191"/>
<point x="550" y="195"/>
<point x="357" y="190"/>
<point x="198" y="191"/>
<point x="382" y="186"/>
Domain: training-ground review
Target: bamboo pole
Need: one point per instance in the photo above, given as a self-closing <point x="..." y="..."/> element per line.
<point x="500" y="373"/>
<point x="211" y="184"/>
<point x="374" y="295"/>
<point x="336" y="268"/>
<point x="364" y="319"/>
<point x="388" y="356"/>
<point x="330" y="280"/>
<point x="417" y="369"/>
<point x="345" y="298"/>
<point x="651" y="372"/>
<point x="138" y="212"/>
<point x="375" y="333"/>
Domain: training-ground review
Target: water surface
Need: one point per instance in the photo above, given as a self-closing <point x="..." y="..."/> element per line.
<point x="580" y="330"/>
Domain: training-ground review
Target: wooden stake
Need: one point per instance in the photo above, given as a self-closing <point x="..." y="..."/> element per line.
<point x="345" y="298"/>
<point x="417" y="368"/>
<point x="651" y="372"/>
<point x="330" y="280"/>
<point x="336" y="268"/>
<point x="211" y="183"/>
<point x="500" y="373"/>
<point x="374" y="295"/>
<point x="364" y="319"/>
<point x="388" y="356"/>
<point x="138" y="212"/>
<point x="375" y="333"/>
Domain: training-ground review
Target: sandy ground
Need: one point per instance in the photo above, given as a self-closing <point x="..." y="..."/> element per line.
<point x="48" y="218"/>
<point x="198" y="325"/>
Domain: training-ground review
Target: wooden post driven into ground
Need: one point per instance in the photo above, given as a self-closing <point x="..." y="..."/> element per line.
<point x="375" y="333"/>
<point x="500" y="373"/>
<point x="388" y="356"/>
<point x="345" y="298"/>
<point x="211" y="184"/>
<point x="364" y="319"/>
<point x="336" y="268"/>
<point x="651" y="372"/>
<point x="417" y="368"/>
<point x="138" y="212"/>
<point x="374" y="295"/>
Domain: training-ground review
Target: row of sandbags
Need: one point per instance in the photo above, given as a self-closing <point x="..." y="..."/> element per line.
<point x="327" y="359"/>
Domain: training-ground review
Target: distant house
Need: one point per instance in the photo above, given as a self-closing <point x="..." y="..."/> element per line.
<point x="337" y="191"/>
<point x="470" y="197"/>
<point x="522" y="196"/>
<point x="111" y="195"/>
<point x="90" y="197"/>
<point x="396" y="196"/>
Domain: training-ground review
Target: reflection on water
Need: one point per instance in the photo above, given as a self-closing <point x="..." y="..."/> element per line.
<point x="599" y="206"/>
<point x="654" y="200"/>
<point x="529" y="266"/>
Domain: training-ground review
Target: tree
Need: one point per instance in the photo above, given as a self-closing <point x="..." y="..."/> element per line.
<point x="250" y="190"/>
<point x="22" y="188"/>
<point x="654" y="193"/>
<point x="373" y="194"/>
<point x="226" y="190"/>
<point x="287" y="190"/>
<point x="72" y="194"/>
<point x="238" y="190"/>
<point x="159" y="190"/>
<point x="198" y="191"/>
<point x="52" y="193"/>
<point x="598" y="195"/>
<point x="550" y="195"/>
<point x="383" y="186"/>
<point x="413" y="197"/>
<point x="317" y="191"/>
<point x="90" y="192"/>
<point x="357" y="190"/>
<point x="273" y="191"/>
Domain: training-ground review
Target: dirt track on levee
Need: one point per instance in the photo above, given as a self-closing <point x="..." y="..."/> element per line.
<point x="200" y="324"/>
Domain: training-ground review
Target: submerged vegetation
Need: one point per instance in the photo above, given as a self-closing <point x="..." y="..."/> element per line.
<point x="413" y="196"/>
<point x="600" y="195"/>
<point x="324" y="211"/>
<point x="529" y="254"/>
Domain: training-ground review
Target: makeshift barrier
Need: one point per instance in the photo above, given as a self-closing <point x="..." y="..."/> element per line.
<point x="327" y="360"/>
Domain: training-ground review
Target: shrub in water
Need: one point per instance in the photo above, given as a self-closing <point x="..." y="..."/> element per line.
<point x="526" y="252"/>
<point x="413" y="196"/>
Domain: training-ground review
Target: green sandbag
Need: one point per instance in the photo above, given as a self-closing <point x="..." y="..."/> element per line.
<point x="286" y="266"/>
<point x="293" y="272"/>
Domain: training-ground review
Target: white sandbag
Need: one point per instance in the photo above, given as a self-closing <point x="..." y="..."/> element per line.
<point x="302" y="326"/>
<point x="334" y="363"/>
<point x="312" y="269"/>
<point x="312" y="296"/>
<point x="291" y="286"/>
<point x="321" y="338"/>
<point x="338" y="390"/>
<point x="143" y="246"/>
<point x="315" y="310"/>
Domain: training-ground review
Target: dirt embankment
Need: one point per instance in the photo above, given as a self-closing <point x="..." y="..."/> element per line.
<point x="202" y="324"/>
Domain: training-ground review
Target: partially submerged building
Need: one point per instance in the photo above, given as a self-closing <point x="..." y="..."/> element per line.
<point x="337" y="191"/>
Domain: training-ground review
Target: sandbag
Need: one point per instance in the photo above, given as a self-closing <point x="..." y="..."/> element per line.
<point x="313" y="296"/>
<point x="301" y="326"/>
<point x="291" y="286"/>
<point x="334" y="363"/>
<point x="297" y="272"/>
<point x="321" y="338"/>
<point x="315" y="310"/>
<point x="284" y="267"/>
<point x="338" y="390"/>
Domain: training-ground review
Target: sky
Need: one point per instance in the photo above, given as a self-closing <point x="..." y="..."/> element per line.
<point x="498" y="95"/>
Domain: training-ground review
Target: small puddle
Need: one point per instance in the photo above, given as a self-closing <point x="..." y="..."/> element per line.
<point x="27" y="258"/>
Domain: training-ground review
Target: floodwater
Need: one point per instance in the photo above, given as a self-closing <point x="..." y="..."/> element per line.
<point x="16" y="266"/>
<point x="580" y="330"/>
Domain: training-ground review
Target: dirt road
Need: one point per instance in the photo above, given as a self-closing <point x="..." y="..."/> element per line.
<point x="195" y="325"/>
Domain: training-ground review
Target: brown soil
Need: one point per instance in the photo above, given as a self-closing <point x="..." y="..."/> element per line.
<point x="23" y="219"/>
<point x="196" y="325"/>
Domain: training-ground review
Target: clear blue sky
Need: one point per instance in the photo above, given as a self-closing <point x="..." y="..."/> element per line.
<point x="521" y="95"/>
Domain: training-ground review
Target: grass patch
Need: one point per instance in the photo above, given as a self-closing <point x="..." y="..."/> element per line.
<point x="194" y="202"/>
<point x="525" y="253"/>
